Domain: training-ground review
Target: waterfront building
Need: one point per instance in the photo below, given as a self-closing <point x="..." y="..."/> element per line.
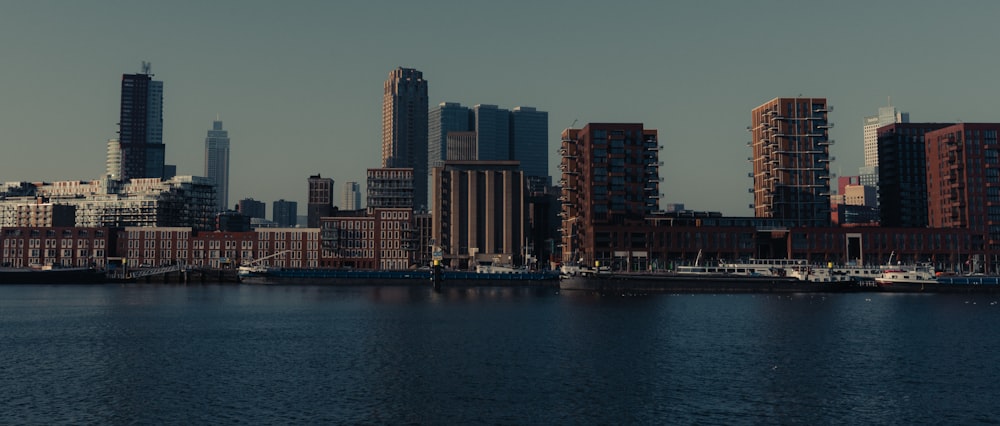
<point x="140" y="131"/>
<point x="529" y="135"/>
<point x="285" y="213"/>
<point x="38" y="214"/>
<point x="217" y="163"/>
<point x="284" y="247"/>
<point x="250" y="207"/>
<point x="391" y="188"/>
<point x="902" y="174"/>
<point x="791" y="160"/>
<point x="352" y="196"/>
<point x="26" y="246"/>
<point x="320" y="199"/>
<point x="479" y="212"/>
<point x="610" y="178"/>
<point x="963" y="179"/>
<point x="179" y="201"/>
<point x="379" y="238"/>
<point x="404" y="127"/>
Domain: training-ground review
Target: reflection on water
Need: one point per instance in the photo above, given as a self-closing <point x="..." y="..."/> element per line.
<point x="314" y="354"/>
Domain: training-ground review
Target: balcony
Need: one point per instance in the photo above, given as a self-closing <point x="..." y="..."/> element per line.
<point x="825" y="143"/>
<point x="827" y="108"/>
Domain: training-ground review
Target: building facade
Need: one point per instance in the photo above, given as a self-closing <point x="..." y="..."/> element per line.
<point x="217" y="163"/>
<point x="492" y="125"/>
<point x="391" y="188"/>
<point x="963" y="179"/>
<point x="250" y="207"/>
<point x="610" y="178"/>
<point x="902" y="174"/>
<point x="404" y="127"/>
<point x="529" y="134"/>
<point x="285" y="213"/>
<point x="379" y="238"/>
<point x="140" y="131"/>
<point x="320" y="200"/>
<point x="113" y="165"/>
<point x="886" y="116"/>
<point x="352" y="196"/>
<point x="26" y="246"/>
<point x="178" y="201"/>
<point x="791" y="160"/>
<point x="446" y="118"/>
<point x="479" y="212"/>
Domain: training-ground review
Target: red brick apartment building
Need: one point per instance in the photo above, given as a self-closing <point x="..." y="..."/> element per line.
<point x="55" y="246"/>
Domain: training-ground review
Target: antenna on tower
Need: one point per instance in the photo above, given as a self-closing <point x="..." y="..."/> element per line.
<point x="147" y="68"/>
<point x="890" y="100"/>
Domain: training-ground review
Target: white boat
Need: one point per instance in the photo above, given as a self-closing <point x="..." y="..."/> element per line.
<point x="903" y="278"/>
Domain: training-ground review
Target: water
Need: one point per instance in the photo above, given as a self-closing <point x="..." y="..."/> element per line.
<point x="167" y="354"/>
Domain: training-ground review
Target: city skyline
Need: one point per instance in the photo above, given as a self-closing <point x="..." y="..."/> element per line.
<point x="694" y="73"/>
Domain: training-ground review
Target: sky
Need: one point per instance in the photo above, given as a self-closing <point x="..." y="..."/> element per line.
<point x="298" y="84"/>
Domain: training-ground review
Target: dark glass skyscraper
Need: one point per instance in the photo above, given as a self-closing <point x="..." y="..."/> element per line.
<point x="140" y="126"/>
<point x="529" y="132"/>
<point x="404" y="127"/>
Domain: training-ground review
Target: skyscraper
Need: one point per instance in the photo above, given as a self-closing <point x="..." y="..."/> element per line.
<point x="963" y="179"/>
<point x="791" y="160"/>
<point x="529" y="140"/>
<point x="492" y="133"/>
<point x="404" y="127"/>
<point x="250" y="207"/>
<point x="352" y="196"/>
<point x="217" y="163"/>
<point x="886" y="115"/>
<point x="114" y="161"/>
<point x="902" y="174"/>
<point x="446" y="118"/>
<point x="140" y="126"/>
<point x="284" y="213"/>
<point x="610" y="179"/>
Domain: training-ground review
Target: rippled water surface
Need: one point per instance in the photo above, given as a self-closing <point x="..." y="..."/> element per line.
<point x="391" y="355"/>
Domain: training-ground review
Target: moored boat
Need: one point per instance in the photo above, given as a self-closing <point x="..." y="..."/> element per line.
<point x="693" y="283"/>
<point x="51" y="276"/>
<point x="906" y="278"/>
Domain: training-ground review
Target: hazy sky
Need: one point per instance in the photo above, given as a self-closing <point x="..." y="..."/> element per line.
<point x="299" y="84"/>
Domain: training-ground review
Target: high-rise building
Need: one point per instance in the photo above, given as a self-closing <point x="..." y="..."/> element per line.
<point x="479" y="212"/>
<point x="529" y="133"/>
<point x="610" y="178"/>
<point x="320" y="199"/>
<point x="404" y="127"/>
<point x="902" y="174"/>
<point x="352" y="196"/>
<point x="963" y="179"/>
<point x="492" y="133"/>
<point x="886" y="115"/>
<point x="791" y="160"/>
<point x="285" y="213"/>
<point x="114" y="162"/>
<point x="391" y="188"/>
<point x="251" y="208"/>
<point x="448" y="117"/>
<point x="140" y="126"/>
<point x="217" y="162"/>
<point x="461" y="147"/>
